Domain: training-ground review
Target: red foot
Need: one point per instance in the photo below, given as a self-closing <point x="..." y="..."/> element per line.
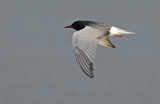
<point x="118" y="35"/>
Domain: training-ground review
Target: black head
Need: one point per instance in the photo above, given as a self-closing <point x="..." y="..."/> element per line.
<point x="78" y="25"/>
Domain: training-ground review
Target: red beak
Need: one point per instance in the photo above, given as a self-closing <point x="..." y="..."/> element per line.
<point x="68" y="27"/>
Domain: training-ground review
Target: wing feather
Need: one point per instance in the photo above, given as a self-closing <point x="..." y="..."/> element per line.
<point x="85" y="43"/>
<point x="104" y="41"/>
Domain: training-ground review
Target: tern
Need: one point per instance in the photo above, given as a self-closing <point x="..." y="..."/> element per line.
<point x="86" y="39"/>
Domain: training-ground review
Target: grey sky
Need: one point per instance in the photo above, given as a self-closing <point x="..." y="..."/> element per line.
<point x="37" y="63"/>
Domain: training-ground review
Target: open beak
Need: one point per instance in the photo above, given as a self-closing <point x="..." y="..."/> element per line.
<point x="68" y="27"/>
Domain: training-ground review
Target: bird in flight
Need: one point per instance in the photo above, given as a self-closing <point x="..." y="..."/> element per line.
<point x="85" y="40"/>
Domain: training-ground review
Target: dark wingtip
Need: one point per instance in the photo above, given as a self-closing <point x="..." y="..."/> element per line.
<point x="91" y="76"/>
<point x="113" y="46"/>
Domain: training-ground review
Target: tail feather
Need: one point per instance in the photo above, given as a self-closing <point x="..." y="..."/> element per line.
<point x="115" y="30"/>
<point x="126" y="32"/>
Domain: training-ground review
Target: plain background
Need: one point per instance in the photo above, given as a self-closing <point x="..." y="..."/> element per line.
<point x="37" y="63"/>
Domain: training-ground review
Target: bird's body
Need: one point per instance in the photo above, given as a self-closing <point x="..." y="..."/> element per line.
<point x="85" y="40"/>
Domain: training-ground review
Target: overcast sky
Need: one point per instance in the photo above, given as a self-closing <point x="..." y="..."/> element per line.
<point x="37" y="63"/>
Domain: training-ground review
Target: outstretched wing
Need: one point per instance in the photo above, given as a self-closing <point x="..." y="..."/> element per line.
<point x="85" y="44"/>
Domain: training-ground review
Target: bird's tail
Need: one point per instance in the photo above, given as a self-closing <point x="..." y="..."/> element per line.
<point x="115" y="31"/>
